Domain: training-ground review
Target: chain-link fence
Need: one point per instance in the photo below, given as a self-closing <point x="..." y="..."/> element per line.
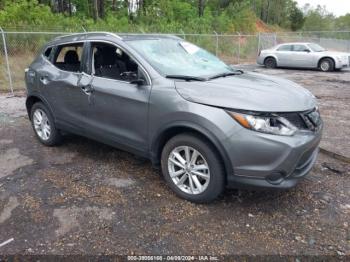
<point x="18" y="49"/>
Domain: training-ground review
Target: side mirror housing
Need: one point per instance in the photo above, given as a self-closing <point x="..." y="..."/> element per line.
<point x="138" y="82"/>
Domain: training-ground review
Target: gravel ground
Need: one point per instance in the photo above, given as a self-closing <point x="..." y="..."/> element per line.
<point x="87" y="198"/>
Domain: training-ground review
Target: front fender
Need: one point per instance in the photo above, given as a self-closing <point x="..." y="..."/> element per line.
<point x="212" y="123"/>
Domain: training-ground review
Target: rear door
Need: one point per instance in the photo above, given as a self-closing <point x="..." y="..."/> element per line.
<point x="118" y="109"/>
<point x="60" y="84"/>
<point x="284" y="55"/>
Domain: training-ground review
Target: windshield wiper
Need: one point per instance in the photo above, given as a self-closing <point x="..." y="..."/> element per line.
<point x="236" y="72"/>
<point x="187" y="78"/>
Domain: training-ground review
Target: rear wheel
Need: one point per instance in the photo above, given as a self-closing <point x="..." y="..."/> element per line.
<point x="326" y="65"/>
<point x="270" y="62"/>
<point x="44" y="126"/>
<point x="192" y="168"/>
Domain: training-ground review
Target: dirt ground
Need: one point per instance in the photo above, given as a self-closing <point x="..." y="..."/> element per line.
<point x="87" y="198"/>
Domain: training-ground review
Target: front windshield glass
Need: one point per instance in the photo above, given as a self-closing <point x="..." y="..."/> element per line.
<point x="316" y="48"/>
<point x="178" y="57"/>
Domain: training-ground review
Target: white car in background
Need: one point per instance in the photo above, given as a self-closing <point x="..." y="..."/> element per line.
<point x="303" y="55"/>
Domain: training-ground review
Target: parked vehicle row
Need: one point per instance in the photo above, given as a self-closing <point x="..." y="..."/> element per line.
<point x="303" y="55"/>
<point x="206" y="124"/>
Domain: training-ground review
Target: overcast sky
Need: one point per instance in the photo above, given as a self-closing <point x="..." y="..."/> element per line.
<point x="337" y="7"/>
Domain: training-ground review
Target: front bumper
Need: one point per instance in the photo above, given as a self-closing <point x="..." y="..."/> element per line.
<point x="342" y="63"/>
<point x="270" y="161"/>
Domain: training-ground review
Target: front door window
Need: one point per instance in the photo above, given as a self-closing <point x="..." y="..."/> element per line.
<point x="109" y="61"/>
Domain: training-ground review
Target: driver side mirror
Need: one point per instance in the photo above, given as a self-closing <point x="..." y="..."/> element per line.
<point x="138" y="82"/>
<point x="307" y="50"/>
<point x="132" y="78"/>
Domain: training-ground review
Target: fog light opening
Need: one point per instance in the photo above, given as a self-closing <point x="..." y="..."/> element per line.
<point x="276" y="178"/>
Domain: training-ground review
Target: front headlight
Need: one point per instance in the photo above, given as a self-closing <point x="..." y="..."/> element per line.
<point x="271" y="124"/>
<point x="341" y="58"/>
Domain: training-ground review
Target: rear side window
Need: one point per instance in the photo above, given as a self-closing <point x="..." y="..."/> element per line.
<point x="285" y="48"/>
<point x="68" y="57"/>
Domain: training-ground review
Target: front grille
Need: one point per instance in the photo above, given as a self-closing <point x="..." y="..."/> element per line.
<point x="304" y="121"/>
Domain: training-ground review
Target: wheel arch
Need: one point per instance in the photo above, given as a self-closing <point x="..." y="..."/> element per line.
<point x="170" y="131"/>
<point x="325" y="57"/>
<point x="271" y="56"/>
<point x="35" y="98"/>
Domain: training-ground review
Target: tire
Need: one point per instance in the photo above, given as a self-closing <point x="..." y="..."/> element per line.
<point x="326" y="65"/>
<point x="45" y="131"/>
<point x="209" y="188"/>
<point x="270" y="62"/>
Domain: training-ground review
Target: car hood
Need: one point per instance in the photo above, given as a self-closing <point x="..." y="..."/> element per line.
<point x="248" y="91"/>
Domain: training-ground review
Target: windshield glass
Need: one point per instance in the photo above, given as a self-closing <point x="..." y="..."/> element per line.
<point x="177" y="57"/>
<point x="316" y="48"/>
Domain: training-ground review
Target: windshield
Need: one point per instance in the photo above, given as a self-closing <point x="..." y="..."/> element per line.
<point x="177" y="57"/>
<point x="316" y="48"/>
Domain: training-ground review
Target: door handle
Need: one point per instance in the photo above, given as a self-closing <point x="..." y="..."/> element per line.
<point x="44" y="79"/>
<point x="87" y="89"/>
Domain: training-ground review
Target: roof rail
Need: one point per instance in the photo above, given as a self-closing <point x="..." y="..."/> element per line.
<point x="87" y="33"/>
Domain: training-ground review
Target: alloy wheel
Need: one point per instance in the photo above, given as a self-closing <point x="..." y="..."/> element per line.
<point x="325" y="66"/>
<point x="41" y="124"/>
<point x="188" y="170"/>
<point x="270" y="62"/>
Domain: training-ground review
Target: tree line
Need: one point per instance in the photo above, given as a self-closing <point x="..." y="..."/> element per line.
<point x="195" y="16"/>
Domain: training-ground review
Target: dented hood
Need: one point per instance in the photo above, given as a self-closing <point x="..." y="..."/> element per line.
<point x="248" y="91"/>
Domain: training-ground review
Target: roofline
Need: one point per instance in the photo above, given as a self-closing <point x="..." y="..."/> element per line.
<point x="133" y="36"/>
<point x="83" y="36"/>
<point x="289" y="43"/>
<point x="86" y="34"/>
<point x="123" y="36"/>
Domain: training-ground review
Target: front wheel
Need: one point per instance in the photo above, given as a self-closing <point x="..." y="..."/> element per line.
<point x="192" y="168"/>
<point x="326" y="65"/>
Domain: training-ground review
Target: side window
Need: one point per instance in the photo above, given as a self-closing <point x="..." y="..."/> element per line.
<point x="68" y="57"/>
<point x="300" y="48"/>
<point x="48" y="52"/>
<point x="109" y="61"/>
<point x="285" y="48"/>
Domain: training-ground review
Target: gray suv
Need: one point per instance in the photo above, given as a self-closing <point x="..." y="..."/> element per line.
<point x="205" y="123"/>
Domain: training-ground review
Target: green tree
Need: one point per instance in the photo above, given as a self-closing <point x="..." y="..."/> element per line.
<point x="343" y="22"/>
<point x="296" y="18"/>
<point x="319" y="19"/>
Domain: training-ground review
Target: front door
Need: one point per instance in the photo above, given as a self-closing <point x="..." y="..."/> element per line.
<point x="119" y="98"/>
<point x="302" y="56"/>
